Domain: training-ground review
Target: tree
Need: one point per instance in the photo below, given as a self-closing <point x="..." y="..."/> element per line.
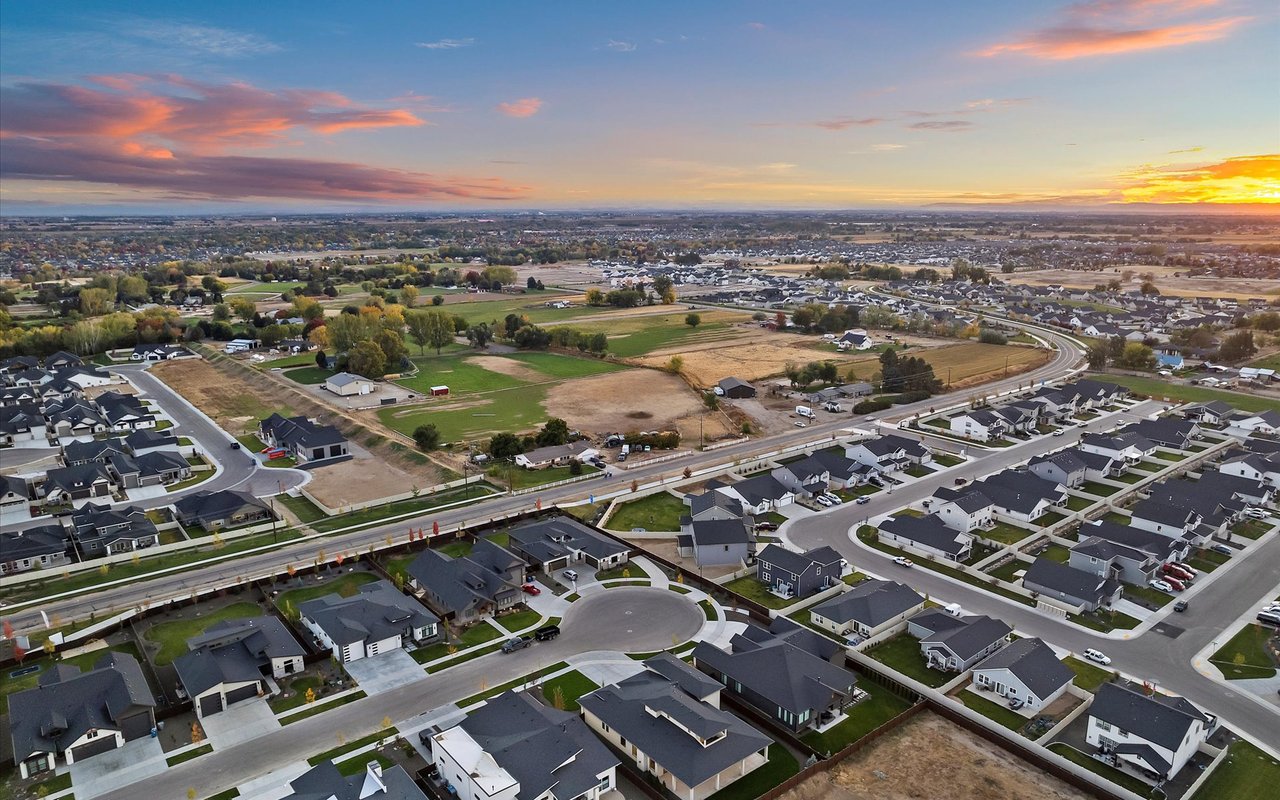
<point x="437" y="299"/>
<point x="322" y="361"/>
<point x="500" y="274"/>
<point x="408" y="295"/>
<point x="505" y="445"/>
<point x="554" y="432"/>
<point x="1137" y="355"/>
<point x="392" y="345"/>
<point x="95" y="302"/>
<point x="711" y="400"/>
<point x="367" y="359"/>
<point x="675" y="364"/>
<point x="1148" y="287"/>
<point x="992" y="336"/>
<point x="1267" y="321"/>
<point x="427" y="437"/>
<point x="1237" y="347"/>
<point x="221" y="312"/>
<point x="692" y="320"/>
<point x="1097" y="357"/>
<point x="434" y="328"/>
<point x="243" y="307"/>
<point x="595" y="297"/>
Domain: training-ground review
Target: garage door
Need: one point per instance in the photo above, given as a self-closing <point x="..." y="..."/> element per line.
<point x="243" y="693"/>
<point x="211" y="704"/>
<point x="105" y="741"/>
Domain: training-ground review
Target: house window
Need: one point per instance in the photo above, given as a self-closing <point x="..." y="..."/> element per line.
<point x="1103" y="726"/>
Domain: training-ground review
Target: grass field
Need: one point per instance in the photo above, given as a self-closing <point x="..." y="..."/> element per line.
<point x="657" y="512"/>
<point x="1247" y="772"/>
<point x="571" y="686"/>
<point x="309" y="376"/>
<point x="1088" y="676"/>
<point x="346" y="585"/>
<point x="517" y="409"/>
<point x="84" y="661"/>
<point x="1245" y="655"/>
<point x="902" y="654"/>
<point x="881" y="706"/>
<point x="637" y="336"/>
<point x="172" y="636"/>
<point x="1191" y="394"/>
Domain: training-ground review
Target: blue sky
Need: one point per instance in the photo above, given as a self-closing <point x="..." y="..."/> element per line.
<point x="416" y="105"/>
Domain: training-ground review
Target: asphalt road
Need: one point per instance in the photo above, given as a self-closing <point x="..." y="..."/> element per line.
<point x="629" y="619"/>
<point x="1162" y="655"/>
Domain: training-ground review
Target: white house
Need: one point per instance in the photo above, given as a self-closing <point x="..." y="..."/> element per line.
<point x="1026" y="672"/>
<point x="556" y="454"/>
<point x="376" y="620"/>
<point x="965" y="510"/>
<point x="1128" y="447"/>
<point x="1148" y="733"/>
<point x="981" y="425"/>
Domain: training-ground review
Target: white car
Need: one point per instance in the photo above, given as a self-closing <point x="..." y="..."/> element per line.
<point x="1165" y="373"/>
<point x="835" y="499"/>
<point x="868" y="419"/>
<point x="903" y="561"/>
<point x="823" y="501"/>
<point x="1161" y="586"/>
<point x="1097" y="656"/>
<point x="1255" y="513"/>
<point x="1059" y="432"/>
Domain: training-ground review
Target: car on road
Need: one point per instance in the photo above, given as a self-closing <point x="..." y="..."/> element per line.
<point x="959" y="481"/>
<point x="531" y="588"/>
<point x="1222" y="548"/>
<point x="518" y="643"/>
<point x="235" y="445"/>
<point x="863" y="500"/>
<point x="1180" y="606"/>
<point x="801" y="425"/>
<point x="1059" y="432"/>
<point x="570" y="574"/>
<point x="1097" y="656"/>
<point x="868" y="419"/>
<point x="903" y="561"/>
<point x="1160" y="586"/>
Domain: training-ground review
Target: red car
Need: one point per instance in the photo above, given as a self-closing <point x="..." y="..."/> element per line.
<point x="530" y="588"/>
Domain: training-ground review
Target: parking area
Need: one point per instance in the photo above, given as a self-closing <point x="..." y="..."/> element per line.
<point x="137" y="760"/>
<point x="239" y="723"/>
<point x="384" y="672"/>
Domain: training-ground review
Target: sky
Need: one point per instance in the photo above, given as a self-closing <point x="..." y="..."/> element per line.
<point x="139" y="107"/>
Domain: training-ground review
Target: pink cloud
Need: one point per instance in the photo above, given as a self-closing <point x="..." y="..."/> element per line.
<point x="842" y="123"/>
<point x="524" y="107"/>
<point x="172" y="135"/>
<point x="1111" y="27"/>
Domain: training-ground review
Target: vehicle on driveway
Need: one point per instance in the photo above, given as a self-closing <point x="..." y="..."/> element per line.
<point x="766" y="526"/>
<point x="547" y="633"/>
<point x="862" y="501"/>
<point x="1222" y="548"/>
<point x="531" y="588"/>
<point x="1173" y="581"/>
<point x="1097" y="656"/>
<point x="518" y="643"/>
<point x="570" y="574"/>
<point x="834" y="498"/>
<point x="1253" y="512"/>
<point x="903" y="561"/>
<point x="823" y="501"/>
<point x="1160" y="586"/>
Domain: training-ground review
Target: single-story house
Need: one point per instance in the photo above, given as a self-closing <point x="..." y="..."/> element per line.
<point x="954" y="644"/>
<point x="302" y="438"/>
<point x="232" y="659"/>
<point x="868" y="609"/>
<point x="227" y="508"/>
<point x="378" y="619"/>
<point x="484" y="581"/>
<point x="927" y="534"/>
<point x="554" y="455"/>
<point x="1085" y="590"/>
<point x="557" y="542"/>
<point x="1026" y="671"/>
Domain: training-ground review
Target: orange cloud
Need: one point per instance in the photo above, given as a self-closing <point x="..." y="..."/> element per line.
<point x="1111" y="27"/>
<point x="1245" y="179"/>
<point x="524" y="107"/>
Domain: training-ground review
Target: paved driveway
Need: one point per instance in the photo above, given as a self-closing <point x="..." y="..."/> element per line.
<point x="385" y="671"/>
<point x="137" y="760"/>
<point x="239" y="723"/>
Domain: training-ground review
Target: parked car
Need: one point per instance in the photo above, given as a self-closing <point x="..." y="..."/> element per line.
<point x="570" y="574"/>
<point x="1180" y="606"/>
<point x="1173" y="571"/>
<point x="518" y="643"/>
<point x="959" y="481"/>
<point x="903" y="561"/>
<point x="1177" y="585"/>
<point x="834" y="498"/>
<point x="1160" y="586"/>
<point x="547" y="633"/>
<point x="766" y="526"/>
<point x="823" y="501"/>
<point x="1097" y="656"/>
<point x="863" y="500"/>
<point x="801" y="425"/>
<point x="1187" y="568"/>
<point x="531" y="588"/>
<point x="1222" y="548"/>
<point x="1253" y="512"/>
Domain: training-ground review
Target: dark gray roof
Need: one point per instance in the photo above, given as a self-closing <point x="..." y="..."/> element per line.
<point x="1159" y="718"/>
<point x="928" y="531"/>
<point x="697" y="685"/>
<point x="67" y="703"/>
<point x="892" y="443"/>
<point x="760" y="488"/>
<point x="734" y="383"/>
<point x="964" y="636"/>
<point x="967" y="499"/>
<point x="203" y="507"/>
<point x="301" y="432"/>
<point x="1034" y="663"/>
<point x="799" y="563"/>
<point x="1159" y="546"/>
<point x="700" y="503"/>
<point x="779" y="671"/>
<point x="41" y="540"/>
<point x="460" y="584"/>
<point x="1118" y="441"/>
<point x="76" y="478"/>
<point x="1076" y="583"/>
<point x="560" y="536"/>
<point x="871" y="602"/>
<point x="93" y="450"/>
<point x="147" y="438"/>
<point x="1166" y="430"/>
<point x="325" y="782"/>
<point x="379" y="611"/>
<point x="1159" y="510"/>
<point x="1105" y="550"/>
<point x="1019" y="491"/>
<point x="1066" y="460"/>
<point x="234" y="651"/>
<point x="625" y="706"/>
<point x="720" y="531"/>
<point x="541" y="747"/>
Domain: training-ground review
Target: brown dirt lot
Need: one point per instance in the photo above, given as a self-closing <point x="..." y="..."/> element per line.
<point x="237" y="404"/>
<point x="929" y="758"/>
<point x="633" y="400"/>
<point x="1203" y="286"/>
<point x="670" y="550"/>
<point x="508" y="366"/>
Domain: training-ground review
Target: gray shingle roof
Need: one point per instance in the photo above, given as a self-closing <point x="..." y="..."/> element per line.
<point x="964" y="636"/>
<point x="1159" y="718"/>
<point x="720" y="531"/>
<point x="778" y="671"/>
<point x="799" y="563"/>
<point x="927" y="531"/>
<point x="560" y="536"/>
<point x="1076" y="583"/>
<point x="234" y="651"/>
<point x="379" y="611"/>
<point x="871" y="603"/>
<point x="325" y="782"/>
<point x="1033" y="662"/>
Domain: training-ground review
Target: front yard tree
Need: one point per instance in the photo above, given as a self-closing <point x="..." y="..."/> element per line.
<point x="505" y="445"/>
<point x="1237" y="347"/>
<point x="427" y="437"/>
<point x="555" y="432"/>
<point x="367" y="359"/>
<point x="480" y="335"/>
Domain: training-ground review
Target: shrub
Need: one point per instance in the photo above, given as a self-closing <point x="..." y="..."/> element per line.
<point x="871" y="406"/>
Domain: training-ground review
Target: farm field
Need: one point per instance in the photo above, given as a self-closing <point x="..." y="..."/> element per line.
<point x="929" y="757"/>
<point x="466" y="371"/>
<point x="637" y="335"/>
<point x="1203" y="286"/>
<point x="1191" y="394"/>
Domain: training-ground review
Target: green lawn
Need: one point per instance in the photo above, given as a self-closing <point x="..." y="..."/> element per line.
<point x="1079" y="503"/>
<point x="494" y="691"/>
<point x="561" y="367"/>
<point x="1056" y="552"/>
<point x="1130" y="477"/>
<point x="347" y="747"/>
<point x="1005" y="533"/>
<point x="572" y="685"/>
<point x="84" y="662"/>
<point x="300" y="360"/>
<point x="946" y="460"/>
<point x="1152" y="598"/>
<point x="657" y="512"/>
<point x="1147" y="466"/>
<point x="322" y="707"/>
<point x="459" y="372"/>
<point x="918" y="471"/>
<point x="752" y="589"/>
<point x="519" y="620"/>
<point x="478" y="633"/>
<point x="302" y="508"/>
<point x="368" y="516"/>
<point x="1166" y="455"/>
<point x="528" y="478"/>
<point x="902" y="654"/>
<point x="881" y="706"/>
<point x="1191" y="394"/>
<point x="996" y="712"/>
<point x="1089" y="676"/>
<point x="515" y="409"/>
<point x="1250" y="528"/>
<point x="1099" y="489"/>
<point x="198" y="477"/>
<point x="346" y="585"/>
<point x="708" y="610"/>
<point x="1105" y="621"/>
<point x="627" y="570"/>
<point x="55" y="784"/>
<point x="1245" y="655"/>
<point x="1246" y="772"/>
<point x="1005" y="571"/>
<point x="358" y="765"/>
<point x="781" y="765"/>
<point x="297" y="688"/>
<point x="1095" y="766"/>
<point x="172" y="636"/>
<point x="309" y="376"/>
<point x="194" y="752"/>
<point x="657" y="332"/>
